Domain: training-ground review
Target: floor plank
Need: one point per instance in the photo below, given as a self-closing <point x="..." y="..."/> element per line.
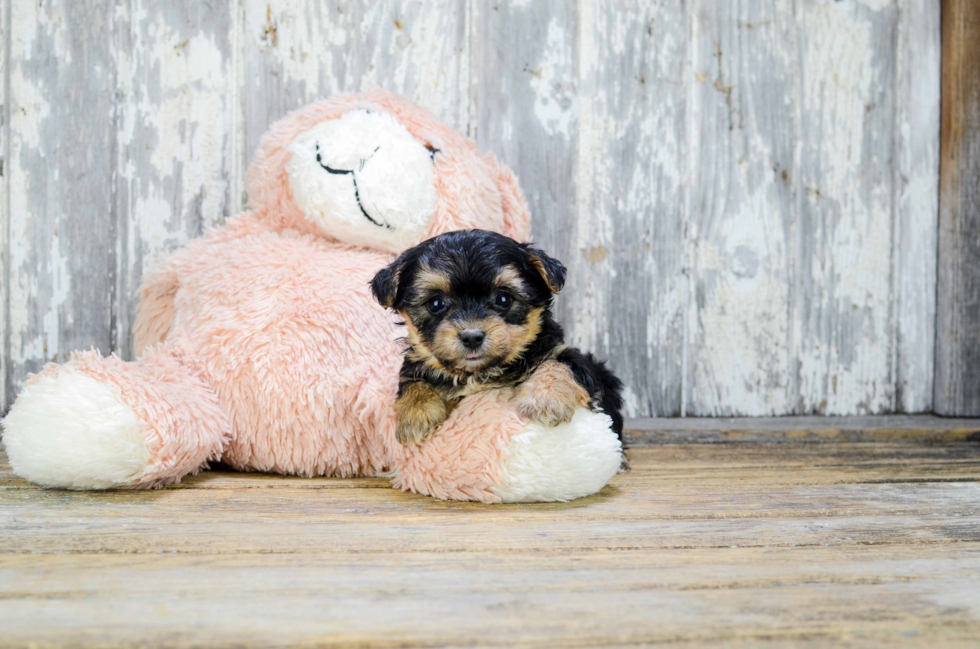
<point x="810" y="429"/>
<point x="870" y="544"/>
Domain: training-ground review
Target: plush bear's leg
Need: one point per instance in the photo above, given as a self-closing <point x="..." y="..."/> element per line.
<point x="487" y="452"/>
<point x="99" y="423"/>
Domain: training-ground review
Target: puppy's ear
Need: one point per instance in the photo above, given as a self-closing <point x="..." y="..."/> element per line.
<point x="550" y="269"/>
<point x="385" y="283"/>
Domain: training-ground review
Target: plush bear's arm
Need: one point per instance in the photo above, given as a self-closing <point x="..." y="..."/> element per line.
<point x="155" y="312"/>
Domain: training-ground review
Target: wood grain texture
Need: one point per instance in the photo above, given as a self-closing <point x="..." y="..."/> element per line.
<point x="62" y="231"/>
<point x="4" y="193"/>
<point x="738" y="545"/>
<point x="813" y="281"/>
<point x="745" y="193"/>
<point x="958" y="294"/>
<point x="297" y="52"/>
<point x="919" y="429"/>
<point x="845" y="314"/>
<point x="917" y="203"/>
<point x="780" y="597"/>
<point x="176" y="121"/>
<point x="627" y="291"/>
<point x="743" y="210"/>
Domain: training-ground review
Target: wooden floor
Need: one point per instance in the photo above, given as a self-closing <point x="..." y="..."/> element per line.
<point x="736" y="544"/>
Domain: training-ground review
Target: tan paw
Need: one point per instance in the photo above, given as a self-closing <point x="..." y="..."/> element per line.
<point x="418" y="412"/>
<point x="413" y="433"/>
<point x="545" y="409"/>
<point x="550" y="395"/>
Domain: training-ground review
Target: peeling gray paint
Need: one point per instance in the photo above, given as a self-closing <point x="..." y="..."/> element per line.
<point x="61" y="246"/>
<point x="745" y="193"/>
<point x="175" y="116"/>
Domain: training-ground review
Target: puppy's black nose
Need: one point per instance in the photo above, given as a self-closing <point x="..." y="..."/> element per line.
<point x="472" y="338"/>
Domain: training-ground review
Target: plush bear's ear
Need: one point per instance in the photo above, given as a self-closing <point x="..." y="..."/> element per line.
<point x="551" y="270"/>
<point x="385" y="283"/>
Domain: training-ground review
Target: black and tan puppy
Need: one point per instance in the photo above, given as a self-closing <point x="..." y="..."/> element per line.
<point x="478" y="310"/>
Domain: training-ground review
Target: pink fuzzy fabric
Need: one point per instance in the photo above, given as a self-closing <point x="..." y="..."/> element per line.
<point x="462" y="461"/>
<point x="262" y="345"/>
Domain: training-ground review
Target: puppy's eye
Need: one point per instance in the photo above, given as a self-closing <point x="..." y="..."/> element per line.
<point x="436" y="305"/>
<point x="502" y="301"/>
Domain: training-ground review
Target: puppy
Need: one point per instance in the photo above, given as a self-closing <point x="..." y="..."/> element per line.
<point x="478" y="310"/>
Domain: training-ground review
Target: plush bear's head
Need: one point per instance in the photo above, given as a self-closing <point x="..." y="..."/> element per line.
<point x="377" y="171"/>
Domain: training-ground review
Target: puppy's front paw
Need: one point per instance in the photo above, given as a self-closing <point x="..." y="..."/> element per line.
<point x="545" y="409"/>
<point x="419" y="411"/>
<point x="413" y="433"/>
<point x="550" y="395"/>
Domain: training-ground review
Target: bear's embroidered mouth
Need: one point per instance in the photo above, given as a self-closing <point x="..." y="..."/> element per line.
<point x="357" y="193"/>
<point x="391" y="172"/>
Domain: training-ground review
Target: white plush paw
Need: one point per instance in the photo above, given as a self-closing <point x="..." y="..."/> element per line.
<point x="559" y="463"/>
<point x="71" y="432"/>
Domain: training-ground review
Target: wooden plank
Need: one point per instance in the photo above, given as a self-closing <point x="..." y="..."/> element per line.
<point x="650" y="144"/>
<point x="62" y="228"/>
<point x="917" y="203"/>
<point x="297" y="52"/>
<point x="732" y="497"/>
<point x="744" y="214"/>
<point x="790" y="464"/>
<point x="4" y="194"/>
<point x="525" y="105"/>
<point x="958" y="293"/>
<point x="843" y="312"/>
<point x="627" y="288"/>
<point x="793" y="594"/>
<point x="697" y="544"/>
<point x="812" y="293"/>
<point x="888" y="428"/>
<point x="176" y="90"/>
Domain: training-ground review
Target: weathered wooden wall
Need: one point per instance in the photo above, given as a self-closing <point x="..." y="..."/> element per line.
<point x="746" y="193"/>
<point x="958" y="323"/>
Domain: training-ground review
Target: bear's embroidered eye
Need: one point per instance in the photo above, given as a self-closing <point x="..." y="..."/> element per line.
<point x="502" y="301"/>
<point x="436" y="305"/>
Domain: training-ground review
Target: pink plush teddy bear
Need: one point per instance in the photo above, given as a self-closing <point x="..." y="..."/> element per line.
<point x="260" y="344"/>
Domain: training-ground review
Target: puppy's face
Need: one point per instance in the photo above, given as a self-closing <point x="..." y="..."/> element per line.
<point x="471" y="299"/>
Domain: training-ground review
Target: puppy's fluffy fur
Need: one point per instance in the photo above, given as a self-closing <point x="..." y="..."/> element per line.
<point x="477" y="306"/>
